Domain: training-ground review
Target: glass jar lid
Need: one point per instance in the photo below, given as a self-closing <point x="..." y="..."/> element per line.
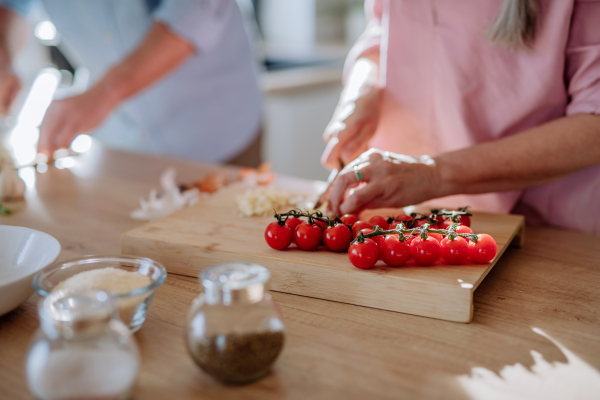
<point x="70" y="311"/>
<point x="236" y="282"/>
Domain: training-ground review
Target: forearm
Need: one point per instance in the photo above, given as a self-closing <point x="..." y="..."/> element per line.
<point x="371" y="59"/>
<point x="534" y="157"/>
<point x="363" y="75"/>
<point x="160" y="52"/>
<point x="13" y="35"/>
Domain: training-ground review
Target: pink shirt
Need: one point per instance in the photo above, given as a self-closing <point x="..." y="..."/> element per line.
<point x="447" y="87"/>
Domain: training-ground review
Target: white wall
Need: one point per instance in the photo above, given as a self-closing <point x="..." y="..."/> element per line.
<point x="294" y="125"/>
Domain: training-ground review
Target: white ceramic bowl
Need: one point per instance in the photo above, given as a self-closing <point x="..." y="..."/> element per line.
<point x="23" y="252"/>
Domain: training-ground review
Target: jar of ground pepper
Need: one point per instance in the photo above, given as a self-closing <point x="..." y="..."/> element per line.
<point x="234" y="330"/>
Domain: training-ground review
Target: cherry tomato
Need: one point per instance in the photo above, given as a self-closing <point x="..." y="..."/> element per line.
<point x="379" y="220"/>
<point x="393" y="252"/>
<point x="465" y="220"/>
<point x="349" y="219"/>
<point x="403" y="217"/>
<point x="279" y="237"/>
<point x="360" y="225"/>
<point x="321" y="224"/>
<point x="463" y="229"/>
<point x="446" y="223"/>
<point x="293" y="222"/>
<point x="337" y="238"/>
<point x="484" y="250"/>
<point x="393" y="225"/>
<point x="436" y="236"/>
<point x="420" y="222"/>
<point x="377" y="239"/>
<point x="454" y="251"/>
<point x="424" y="251"/>
<point x="364" y="255"/>
<point x="307" y="236"/>
<point x="409" y="237"/>
<point x="440" y="219"/>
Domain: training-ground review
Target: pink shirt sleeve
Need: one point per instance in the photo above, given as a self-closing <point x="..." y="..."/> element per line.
<point x="370" y="39"/>
<point x="583" y="59"/>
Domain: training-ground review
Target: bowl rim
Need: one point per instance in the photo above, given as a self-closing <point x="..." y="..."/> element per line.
<point x="52" y="259"/>
<point x="91" y="259"/>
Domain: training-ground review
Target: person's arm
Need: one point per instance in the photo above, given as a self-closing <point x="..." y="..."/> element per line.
<point x="355" y="118"/>
<point x="159" y="53"/>
<point x="533" y="157"/>
<point x="13" y="35"/>
<point x="356" y="115"/>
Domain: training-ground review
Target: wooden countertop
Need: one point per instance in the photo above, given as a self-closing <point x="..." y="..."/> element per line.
<point x="334" y="350"/>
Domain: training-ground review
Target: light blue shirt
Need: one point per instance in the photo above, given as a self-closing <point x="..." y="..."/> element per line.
<point x="208" y="109"/>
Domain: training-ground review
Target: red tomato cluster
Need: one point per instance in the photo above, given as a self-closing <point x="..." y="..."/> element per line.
<point x="423" y="246"/>
<point x="308" y="236"/>
<point x="425" y="251"/>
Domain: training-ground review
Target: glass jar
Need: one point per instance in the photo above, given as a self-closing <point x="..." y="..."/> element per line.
<point x="234" y="330"/>
<point x="82" y="349"/>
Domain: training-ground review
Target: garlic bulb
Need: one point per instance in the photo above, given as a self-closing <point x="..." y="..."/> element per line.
<point x="11" y="185"/>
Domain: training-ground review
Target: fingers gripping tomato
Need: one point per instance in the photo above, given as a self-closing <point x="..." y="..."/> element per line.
<point x="424" y="251"/>
<point x="393" y="252"/>
<point x="279" y="237"/>
<point x="484" y="250"/>
<point x="364" y="255"/>
<point x="307" y="236"/>
<point x="337" y="238"/>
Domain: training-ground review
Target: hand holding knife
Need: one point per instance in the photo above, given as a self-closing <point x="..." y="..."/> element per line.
<point x="325" y="195"/>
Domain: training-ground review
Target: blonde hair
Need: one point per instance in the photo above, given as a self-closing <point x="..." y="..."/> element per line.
<point x="515" y="25"/>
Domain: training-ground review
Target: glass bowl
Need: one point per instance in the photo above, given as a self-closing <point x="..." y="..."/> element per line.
<point x="133" y="305"/>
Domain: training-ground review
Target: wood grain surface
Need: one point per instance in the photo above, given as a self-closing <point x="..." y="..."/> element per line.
<point x="333" y="350"/>
<point x="211" y="233"/>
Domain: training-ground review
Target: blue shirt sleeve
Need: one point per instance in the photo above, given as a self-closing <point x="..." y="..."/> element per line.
<point x="21" y="7"/>
<point x="200" y="22"/>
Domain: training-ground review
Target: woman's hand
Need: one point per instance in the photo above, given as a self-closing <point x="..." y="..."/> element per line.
<point x="67" y="118"/>
<point x="387" y="180"/>
<point x="355" y="118"/>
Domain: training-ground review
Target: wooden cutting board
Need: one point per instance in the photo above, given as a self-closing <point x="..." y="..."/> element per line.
<point x="212" y="232"/>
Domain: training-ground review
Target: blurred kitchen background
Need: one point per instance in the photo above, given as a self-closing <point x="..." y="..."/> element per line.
<point x="300" y="45"/>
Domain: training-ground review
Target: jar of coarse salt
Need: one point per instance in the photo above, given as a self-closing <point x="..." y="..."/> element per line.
<point x="82" y="349"/>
